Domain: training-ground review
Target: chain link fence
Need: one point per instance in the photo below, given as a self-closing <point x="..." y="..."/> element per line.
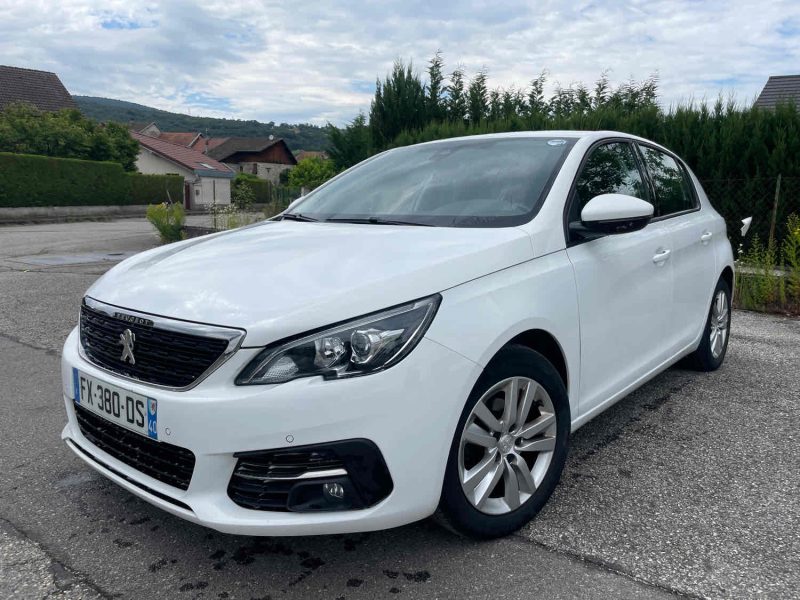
<point x="736" y="199"/>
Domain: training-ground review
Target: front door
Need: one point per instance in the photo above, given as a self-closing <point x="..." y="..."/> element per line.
<point x="624" y="283"/>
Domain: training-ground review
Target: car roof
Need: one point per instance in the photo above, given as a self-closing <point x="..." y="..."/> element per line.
<point x="590" y="136"/>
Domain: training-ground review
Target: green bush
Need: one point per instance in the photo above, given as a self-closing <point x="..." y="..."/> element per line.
<point x="66" y="134"/>
<point x="168" y="219"/>
<point x="312" y="172"/>
<point x="791" y="261"/>
<point x="242" y="194"/>
<point x="32" y="180"/>
<point x="29" y="180"/>
<point x="275" y="197"/>
<point x="259" y="187"/>
<point x="151" y="189"/>
<point x="768" y="278"/>
<point x="758" y="286"/>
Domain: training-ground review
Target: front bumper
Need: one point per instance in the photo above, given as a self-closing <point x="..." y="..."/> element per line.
<point x="409" y="411"/>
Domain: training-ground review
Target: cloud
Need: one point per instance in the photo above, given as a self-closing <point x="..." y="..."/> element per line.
<point x="318" y="61"/>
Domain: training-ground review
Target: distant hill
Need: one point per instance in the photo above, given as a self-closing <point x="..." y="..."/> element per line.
<point x="298" y="137"/>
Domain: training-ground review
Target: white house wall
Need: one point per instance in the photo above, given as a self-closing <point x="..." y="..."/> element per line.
<point x="152" y="164"/>
<point x="211" y="189"/>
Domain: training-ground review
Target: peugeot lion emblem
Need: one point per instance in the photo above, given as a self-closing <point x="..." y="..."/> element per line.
<point x="127" y="338"/>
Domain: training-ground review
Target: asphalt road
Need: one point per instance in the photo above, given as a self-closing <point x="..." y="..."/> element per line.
<point x="690" y="486"/>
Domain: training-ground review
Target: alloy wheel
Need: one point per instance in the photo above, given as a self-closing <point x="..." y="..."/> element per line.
<point x="719" y="323"/>
<point x="507" y="445"/>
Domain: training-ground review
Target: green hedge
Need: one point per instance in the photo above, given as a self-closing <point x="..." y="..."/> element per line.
<point x="153" y="189"/>
<point x="32" y="180"/>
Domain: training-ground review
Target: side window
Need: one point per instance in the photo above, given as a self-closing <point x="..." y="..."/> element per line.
<point x="671" y="182"/>
<point x="610" y="169"/>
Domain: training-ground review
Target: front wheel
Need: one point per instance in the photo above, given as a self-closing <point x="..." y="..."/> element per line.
<point x="509" y="447"/>
<point x="714" y="344"/>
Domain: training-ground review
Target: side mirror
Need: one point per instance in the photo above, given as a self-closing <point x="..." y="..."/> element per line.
<point x="615" y="213"/>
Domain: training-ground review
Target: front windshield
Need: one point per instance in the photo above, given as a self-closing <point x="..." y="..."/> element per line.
<point x="488" y="182"/>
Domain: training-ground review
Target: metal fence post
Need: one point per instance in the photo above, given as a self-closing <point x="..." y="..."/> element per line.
<point x="774" y="212"/>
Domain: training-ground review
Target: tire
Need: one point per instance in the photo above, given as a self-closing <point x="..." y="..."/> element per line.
<point x="537" y="442"/>
<point x="710" y="354"/>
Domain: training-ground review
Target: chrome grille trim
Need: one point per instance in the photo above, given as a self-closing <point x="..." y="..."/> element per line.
<point x="233" y="336"/>
<point x="306" y="475"/>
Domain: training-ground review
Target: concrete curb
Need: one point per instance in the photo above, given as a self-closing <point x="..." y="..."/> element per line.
<point x="55" y="214"/>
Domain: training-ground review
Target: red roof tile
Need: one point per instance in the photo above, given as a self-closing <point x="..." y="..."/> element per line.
<point x="214" y="142"/>
<point x="179" y="137"/>
<point x="186" y="157"/>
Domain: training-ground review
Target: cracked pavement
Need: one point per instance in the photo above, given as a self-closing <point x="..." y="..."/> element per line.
<point x="688" y="487"/>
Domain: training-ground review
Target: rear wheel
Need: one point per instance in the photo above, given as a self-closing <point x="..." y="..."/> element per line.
<point x="509" y="448"/>
<point x="714" y="344"/>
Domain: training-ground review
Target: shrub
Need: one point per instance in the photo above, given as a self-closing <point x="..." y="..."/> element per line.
<point x="168" y="219"/>
<point x="311" y="172"/>
<point x="259" y="187"/>
<point x="152" y="189"/>
<point x="275" y="197"/>
<point x="65" y="133"/>
<point x="242" y="194"/>
<point x="769" y="279"/>
<point x="791" y="260"/>
<point x="29" y="180"/>
<point x="32" y="180"/>
<point x="758" y="284"/>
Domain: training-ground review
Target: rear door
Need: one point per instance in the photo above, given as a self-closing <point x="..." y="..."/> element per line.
<point x="691" y="232"/>
<point x="624" y="281"/>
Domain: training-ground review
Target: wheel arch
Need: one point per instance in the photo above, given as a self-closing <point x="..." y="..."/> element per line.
<point x="727" y="276"/>
<point x="547" y="345"/>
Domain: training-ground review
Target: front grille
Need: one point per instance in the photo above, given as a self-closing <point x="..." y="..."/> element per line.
<point x="263" y="481"/>
<point x="162" y="357"/>
<point x="130" y="480"/>
<point x="169" y="464"/>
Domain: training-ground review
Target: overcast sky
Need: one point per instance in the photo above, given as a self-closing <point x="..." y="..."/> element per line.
<point x="317" y="61"/>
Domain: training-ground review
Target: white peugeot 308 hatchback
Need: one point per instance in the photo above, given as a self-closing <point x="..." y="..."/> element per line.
<point x="420" y="334"/>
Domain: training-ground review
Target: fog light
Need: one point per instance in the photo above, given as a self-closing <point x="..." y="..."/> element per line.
<point x="333" y="490"/>
<point x="333" y="494"/>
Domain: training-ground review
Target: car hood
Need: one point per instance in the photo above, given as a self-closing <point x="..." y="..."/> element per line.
<point x="281" y="278"/>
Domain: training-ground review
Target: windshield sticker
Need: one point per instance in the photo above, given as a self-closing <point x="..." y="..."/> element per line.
<point x="556" y="142"/>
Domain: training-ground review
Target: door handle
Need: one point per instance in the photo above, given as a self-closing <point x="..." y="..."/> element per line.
<point x="706" y="237"/>
<point x="661" y="256"/>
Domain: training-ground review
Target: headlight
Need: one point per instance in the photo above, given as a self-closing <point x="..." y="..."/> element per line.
<point x="358" y="347"/>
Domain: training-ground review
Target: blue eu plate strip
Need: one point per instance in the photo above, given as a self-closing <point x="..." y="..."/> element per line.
<point x="76" y="388"/>
<point x="152" y="418"/>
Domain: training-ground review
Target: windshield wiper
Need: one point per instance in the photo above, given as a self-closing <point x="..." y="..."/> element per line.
<point x="296" y="217"/>
<point x="377" y="221"/>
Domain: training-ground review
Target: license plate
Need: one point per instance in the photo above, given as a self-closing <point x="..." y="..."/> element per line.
<point x="127" y="409"/>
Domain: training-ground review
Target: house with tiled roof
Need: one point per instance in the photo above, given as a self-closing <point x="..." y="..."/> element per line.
<point x="206" y="180"/>
<point x="41" y="89"/>
<point x="779" y="88"/>
<point x="266" y="157"/>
